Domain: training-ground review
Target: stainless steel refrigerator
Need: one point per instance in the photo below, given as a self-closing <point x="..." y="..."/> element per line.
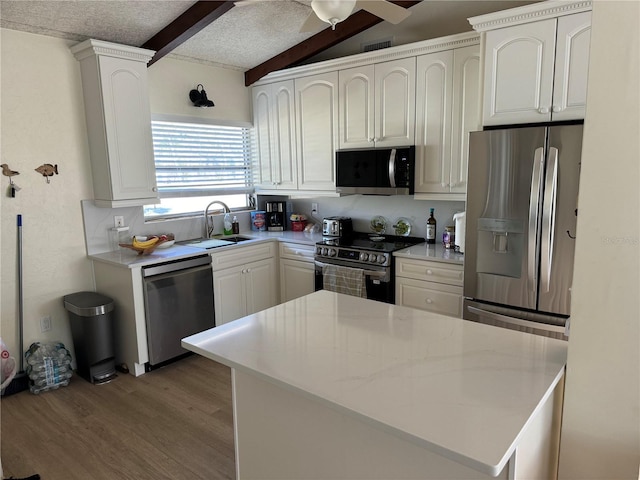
<point x="521" y="226"/>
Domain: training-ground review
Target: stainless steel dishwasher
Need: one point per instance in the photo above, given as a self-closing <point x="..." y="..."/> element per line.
<point x="178" y="301"/>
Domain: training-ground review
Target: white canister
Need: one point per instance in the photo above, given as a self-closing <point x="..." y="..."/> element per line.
<point x="460" y="220"/>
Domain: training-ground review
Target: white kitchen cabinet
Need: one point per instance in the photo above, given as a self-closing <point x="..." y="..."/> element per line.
<point x="316" y="106"/>
<point x="116" y="101"/>
<point x="297" y="270"/>
<point x="573" y="40"/>
<point x="429" y="285"/>
<point x="274" y="125"/>
<point x="536" y="71"/>
<point x="245" y="281"/>
<point x="447" y="109"/>
<point x="377" y="105"/>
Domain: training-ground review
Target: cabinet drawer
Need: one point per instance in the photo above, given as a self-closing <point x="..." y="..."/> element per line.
<point x="433" y="297"/>
<point x="297" y="251"/>
<point x="240" y="255"/>
<point x="430" y="271"/>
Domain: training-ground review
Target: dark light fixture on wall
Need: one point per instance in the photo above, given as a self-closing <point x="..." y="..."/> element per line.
<point x="199" y="97"/>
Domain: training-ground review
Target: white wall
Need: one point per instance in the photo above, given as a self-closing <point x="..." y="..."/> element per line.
<point x="601" y="424"/>
<point x="171" y="80"/>
<point x="42" y="121"/>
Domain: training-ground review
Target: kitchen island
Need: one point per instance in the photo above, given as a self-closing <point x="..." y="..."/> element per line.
<point x="335" y="386"/>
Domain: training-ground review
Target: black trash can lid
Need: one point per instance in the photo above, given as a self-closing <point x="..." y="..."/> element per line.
<point x="88" y="304"/>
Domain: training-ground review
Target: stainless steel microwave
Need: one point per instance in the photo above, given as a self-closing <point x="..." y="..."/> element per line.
<point x="381" y="171"/>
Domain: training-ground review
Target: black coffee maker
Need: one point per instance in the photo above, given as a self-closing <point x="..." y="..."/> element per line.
<point x="276" y="216"/>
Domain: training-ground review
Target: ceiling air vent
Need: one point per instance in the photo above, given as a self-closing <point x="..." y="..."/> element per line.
<point x="376" y="45"/>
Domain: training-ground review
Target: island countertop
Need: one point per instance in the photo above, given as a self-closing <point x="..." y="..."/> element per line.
<point x="463" y="390"/>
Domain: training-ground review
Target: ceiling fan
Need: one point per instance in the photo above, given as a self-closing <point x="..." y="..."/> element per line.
<point x="336" y="11"/>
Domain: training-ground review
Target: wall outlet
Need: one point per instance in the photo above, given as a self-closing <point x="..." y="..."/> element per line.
<point x="45" y="324"/>
<point x="118" y="221"/>
<point x="314" y="208"/>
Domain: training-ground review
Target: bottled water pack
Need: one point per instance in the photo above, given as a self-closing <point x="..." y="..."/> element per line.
<point x="48" y="366"/>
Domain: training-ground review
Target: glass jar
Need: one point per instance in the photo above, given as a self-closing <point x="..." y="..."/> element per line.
<point x="449" y="237"/>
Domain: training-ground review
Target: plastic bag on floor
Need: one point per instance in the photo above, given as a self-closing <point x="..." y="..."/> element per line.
<point x="48" y="366"/>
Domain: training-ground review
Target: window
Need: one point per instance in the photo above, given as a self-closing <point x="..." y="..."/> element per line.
<point x="197" y="163"/>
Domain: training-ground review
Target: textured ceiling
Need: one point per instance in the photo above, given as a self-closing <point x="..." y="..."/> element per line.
<point x="242" y="38"/>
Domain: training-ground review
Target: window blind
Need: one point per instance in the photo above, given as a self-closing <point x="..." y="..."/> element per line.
<point x="201" y="159"/>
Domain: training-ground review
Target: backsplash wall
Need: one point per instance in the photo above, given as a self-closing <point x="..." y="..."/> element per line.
<point x="362" y="208"/>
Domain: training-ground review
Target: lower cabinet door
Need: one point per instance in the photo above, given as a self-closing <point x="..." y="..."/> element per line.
<point x="433" y="297"/>
<point x="297" y="279"/>
<point x="229" y="294"/>
<point x="261" y="285"/>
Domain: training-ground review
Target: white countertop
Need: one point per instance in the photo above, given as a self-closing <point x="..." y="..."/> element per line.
<point x="459" y="388"/>
<point x="128" y="258"/>
<point x="434" y="252"/>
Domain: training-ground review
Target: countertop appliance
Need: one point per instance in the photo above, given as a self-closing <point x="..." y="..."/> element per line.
<point x="521" y="227"/>
<point x="383" y="171"/>
<point x="276" y="216"/>
<point x="178" y="301"/>
<point x="360" y="264"/>
<point x="460" y="226"/>
<point x="337" y="226"/>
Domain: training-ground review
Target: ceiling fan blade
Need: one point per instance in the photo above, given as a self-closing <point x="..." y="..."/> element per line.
<point x="244" y="3"/>
<point x="388" y="11"/>
<point x="312" y="23"/>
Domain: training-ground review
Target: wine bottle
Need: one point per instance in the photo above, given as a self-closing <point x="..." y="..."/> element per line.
<point x="431" y="227"/>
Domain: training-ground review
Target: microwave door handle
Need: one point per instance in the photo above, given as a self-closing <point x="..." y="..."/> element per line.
<point x="392" y="168"/>
<point x="534" y="200"/>
<point x="548" y="219"/>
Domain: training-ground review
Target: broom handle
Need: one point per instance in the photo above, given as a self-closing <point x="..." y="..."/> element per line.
<point x="20" y="313"/>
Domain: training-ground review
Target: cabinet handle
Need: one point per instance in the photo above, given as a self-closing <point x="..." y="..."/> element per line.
<point x="429" y="272"/>
<point x="556" y="109"/>
<point x="154" y="189"/>
<point x="543" y="110"/>
<point x="429" y="300"/>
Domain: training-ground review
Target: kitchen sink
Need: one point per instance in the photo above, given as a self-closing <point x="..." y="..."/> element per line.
<point x="208" y="243"/>
<point x="236" y="238"/>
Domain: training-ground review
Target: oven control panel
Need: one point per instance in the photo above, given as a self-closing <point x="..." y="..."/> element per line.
<point x="352" y="255"/>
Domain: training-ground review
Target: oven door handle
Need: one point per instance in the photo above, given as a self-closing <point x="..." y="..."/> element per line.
<point x="368" y="273"/>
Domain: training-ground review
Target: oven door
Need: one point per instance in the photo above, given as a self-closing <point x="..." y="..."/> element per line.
<point x="377" y="283"/>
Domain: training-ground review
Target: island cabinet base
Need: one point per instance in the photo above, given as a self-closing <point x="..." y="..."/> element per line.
<point x="282" y="433"/>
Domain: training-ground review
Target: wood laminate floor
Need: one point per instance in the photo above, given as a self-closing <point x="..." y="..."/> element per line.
<point x="172" y="423"/>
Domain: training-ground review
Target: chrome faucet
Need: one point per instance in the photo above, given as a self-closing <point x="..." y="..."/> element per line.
<point x="208" y="227"/>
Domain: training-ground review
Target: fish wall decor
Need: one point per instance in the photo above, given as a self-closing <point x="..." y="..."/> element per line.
<point x="47" y="170"/>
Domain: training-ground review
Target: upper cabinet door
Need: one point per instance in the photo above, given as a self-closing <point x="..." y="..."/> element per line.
<point x="465" y="116"/>
<point x="317" y="130"/>
<point x="116" y="102"/>
<point x="274" y="126"/>
<point x="284" y="135"/>
<point x="518" y="76"/>
<point x="572" y="66"/>
<point x="262" y="123"/>
<point x="447" y="109"/>
<point x="356" y="107"/>
<point x="434" y="81"/>
<point x="395" y="103"/>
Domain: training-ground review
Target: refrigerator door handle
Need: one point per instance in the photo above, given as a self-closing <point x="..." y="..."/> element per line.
<point x="534" y="200"/>
<point x="392" y="168"/>
<point x="516" y="321"/>
<point x="548" y="219"/>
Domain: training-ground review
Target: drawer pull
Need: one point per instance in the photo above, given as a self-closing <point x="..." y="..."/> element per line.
<point x="429" y="300"/>
<point x="429" y="272"/>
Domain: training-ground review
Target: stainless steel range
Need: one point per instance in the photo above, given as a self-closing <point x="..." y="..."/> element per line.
<point x="360" y="264"/>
